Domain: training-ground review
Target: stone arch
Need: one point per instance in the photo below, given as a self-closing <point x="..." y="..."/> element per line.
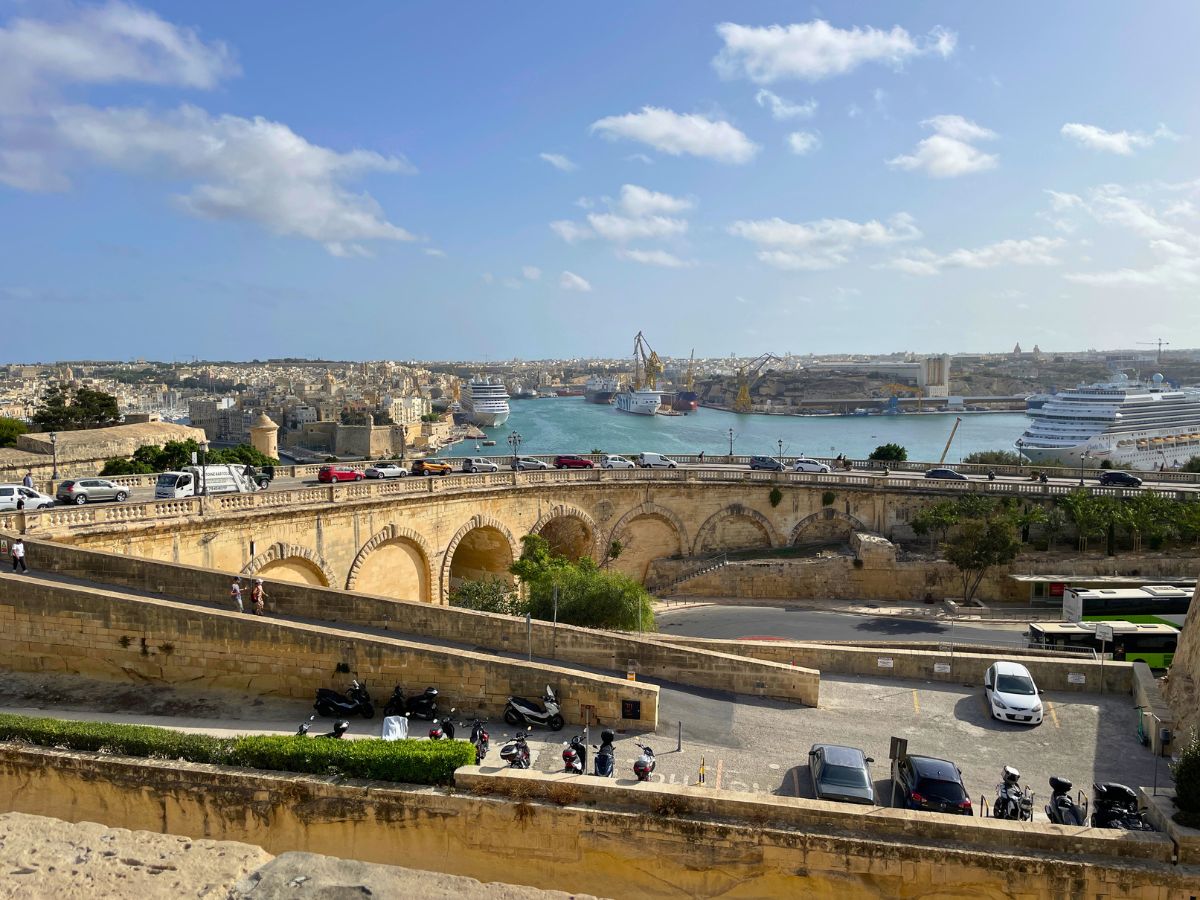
<point x="760" y="523"/>
<point x="589" y="543"/>
<point x="826" y="524"/>
<point x="474" y="524"/>
<point x="290" y="562"/>
<point x="409" y="555"/>
<point x="667" y="538"/>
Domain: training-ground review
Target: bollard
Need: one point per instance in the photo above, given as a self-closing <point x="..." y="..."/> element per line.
<point x="679" y="740"/>
<point x="700" y="780"/>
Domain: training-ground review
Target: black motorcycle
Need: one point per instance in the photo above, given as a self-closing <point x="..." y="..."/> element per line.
<point x="355" y="702"/>
<point x="575" y="756"/>
<point x="418" y="706"/>
<point x="340" y="727"/>
<point x="443" y="729"/>
<point x="1013" y="801"/>
<point x="604" y="763"/>
<point x="1116" y="806"/>
<point x="1062" y="809"/>
<point x="516" y="752"/>
<point x="480" y="738"/>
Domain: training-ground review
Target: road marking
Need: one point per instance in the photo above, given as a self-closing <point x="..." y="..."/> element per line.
<point x="1053" y="713"/>
<point x="916" y="702"/>
<point x="720" y="767"/>
<point x="795" y="782"/>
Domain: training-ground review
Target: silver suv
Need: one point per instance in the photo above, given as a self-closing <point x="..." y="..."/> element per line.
<point x="88" y="490"/>
<point x="479" y="464"/>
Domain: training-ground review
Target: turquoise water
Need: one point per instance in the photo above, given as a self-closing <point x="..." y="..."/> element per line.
<point x="571" y="425"/>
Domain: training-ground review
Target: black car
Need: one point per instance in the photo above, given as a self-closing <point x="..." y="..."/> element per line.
<point x="841" y="773"/>
<point x="946" y="475"/>
<point x="766" y="462"/>
<point x="929" y="784"/>
<point x="1120" y="479"/>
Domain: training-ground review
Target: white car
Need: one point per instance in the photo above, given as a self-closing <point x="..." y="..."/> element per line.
<point x="386" y="470"/>
<point x="655" y="461"/>
<point x="810" y="465"/>
<point x="524" y="463"/>
<point x="616" y="462"/>
<point x="1011" y="694"/>
<point x="10" y="493"/>
<point x="479" y="464"/>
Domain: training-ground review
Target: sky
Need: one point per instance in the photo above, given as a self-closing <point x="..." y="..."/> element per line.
<point x="541" y="180"/>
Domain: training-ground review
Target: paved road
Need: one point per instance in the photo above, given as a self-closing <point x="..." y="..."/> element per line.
<point x="799" y="623"/>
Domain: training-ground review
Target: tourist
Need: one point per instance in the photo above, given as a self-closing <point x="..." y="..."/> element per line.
<point x="235" y="593"/>
<point x="17" y="552"/>
<point x="258" y="597"/>
<point x="28" y="480"/>
<point x="700" y="456"/>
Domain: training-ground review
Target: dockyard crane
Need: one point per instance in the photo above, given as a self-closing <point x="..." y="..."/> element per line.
<point x="689" y="380"/>
<point x="906" y="389"/>
<point x="646" y="365"/>
<point x="747" y="375"/>
<point x="1159" y="343"/>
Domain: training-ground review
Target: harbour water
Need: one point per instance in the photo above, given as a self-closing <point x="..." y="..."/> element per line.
<point x="570" y="425"/>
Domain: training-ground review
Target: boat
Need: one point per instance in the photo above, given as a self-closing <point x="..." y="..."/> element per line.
<point x="1127" y="422"/>
<point x="641" y="396"/>
<point x="642" y="403"/>
<point x="601" y="389"/>
<point x="489" y="443"/>
<point x="686" y="401"/>
<point x="485" y="402"/>
<point x="518" y="391"/>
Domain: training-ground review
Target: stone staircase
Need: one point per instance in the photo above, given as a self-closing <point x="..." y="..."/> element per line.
<point x="701" y="567"/>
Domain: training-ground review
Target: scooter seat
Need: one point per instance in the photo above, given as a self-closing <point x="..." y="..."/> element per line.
<point x="528" y="704"/>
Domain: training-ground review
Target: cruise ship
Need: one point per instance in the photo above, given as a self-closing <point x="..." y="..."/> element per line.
<point x="485" y="401"/>
<point x="601" y="389"/>
<point x="642" y="403"/>
<point x="1130" y="423"/>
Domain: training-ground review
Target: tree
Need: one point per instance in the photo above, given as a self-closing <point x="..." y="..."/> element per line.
<point x="995" y="458"/>
<point x="174" y="455"/>
<point x="1192" y="465"/>
<point x="977" y="547"/>
<point x="1026" y="518"/>
<point x="1086" y="512"/>
<point x="242" y="454"/>
<point x="937" y="517"/>
<point x="85" y="408"/>
<point x="1056" y="521"/>
<point x="492" y="595"/>
<point x="889" y="453"/>
<point x="10" y="430"/>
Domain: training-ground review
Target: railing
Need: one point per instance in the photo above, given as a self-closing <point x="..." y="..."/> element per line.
<point x="695" y="570"/>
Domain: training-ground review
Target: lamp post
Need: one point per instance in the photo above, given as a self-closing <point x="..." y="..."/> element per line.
<point x="780" y="457"/>
<point x="1082" y="458"/>
<point x="731" y="445"/>
<point x="54" y="454"/>
<point x="514" y="441"/>
<point x="203" y="470"/>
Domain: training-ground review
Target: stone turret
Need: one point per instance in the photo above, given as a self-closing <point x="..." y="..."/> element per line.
<point x="264" y="436"/>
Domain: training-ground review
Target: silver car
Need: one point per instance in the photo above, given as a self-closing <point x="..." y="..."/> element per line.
<point x="88" y="490"/>
<point x="386" y="470"/>
<point x="524" y="463"/>
<point x="479" y="464"/>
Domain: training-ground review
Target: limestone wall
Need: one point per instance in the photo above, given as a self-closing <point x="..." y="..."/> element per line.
<point x="1183" y="680"/>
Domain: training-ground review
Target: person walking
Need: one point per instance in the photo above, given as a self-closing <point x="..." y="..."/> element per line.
<point x="235" y="594"/>
<point x="17" y="551"/>
<point x="28" y="480"/>
<point x="258" y="597"/>
<point x="701" y="456"/>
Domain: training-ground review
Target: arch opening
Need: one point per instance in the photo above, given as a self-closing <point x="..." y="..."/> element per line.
<point x="569" y="536"/>
<point x="734" y="530"/>
<point x="397" y="569"/>
<point x="295" y="569"/>
<point x="824" y="528"/>
<point x="483" y="553"/>
<point x="645" y="538"/>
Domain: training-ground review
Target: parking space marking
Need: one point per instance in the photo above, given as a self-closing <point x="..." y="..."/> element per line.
<point x="1053" y="713"/>
<point x="916" y="702"/>
<point x="720" y="767"/>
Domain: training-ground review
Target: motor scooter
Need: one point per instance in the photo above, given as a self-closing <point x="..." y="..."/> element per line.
<point x="340" y="727"/>
<point x="1116" y="806"/>
<point x="643" y="766"/>
<point x="604" y="763"/>
<point x="480" y="738"/>
<point x="1062" y="810"/>
<point x="516" y="751"/>
<point x="355" y="702"/>
<point x="443" y="729"/>
<point x="1013" y="801"/>
<point x="575" y="756"/>
<point x="418" y="706"/>
<point x="519" y="711"/>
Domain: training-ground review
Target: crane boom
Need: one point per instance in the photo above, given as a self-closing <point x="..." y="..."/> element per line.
<point x="950" y="440"/>
<point x="1159" y="343"/>
<point x="747" y="375"/>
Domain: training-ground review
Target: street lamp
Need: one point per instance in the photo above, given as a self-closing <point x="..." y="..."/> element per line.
<point x="1082" y="458"/>
<point x="514" y="441"/>
<point x="731" y="445"/>
<point x="54" y="452"/>
<point x="203" y="470"/>
<point x="780" y="457"/>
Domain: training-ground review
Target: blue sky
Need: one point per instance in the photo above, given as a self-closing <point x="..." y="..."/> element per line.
<point x="412" y="180"/>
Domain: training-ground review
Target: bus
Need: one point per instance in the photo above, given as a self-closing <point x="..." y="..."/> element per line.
<point x="1150" y="642"/>
<point x="1155" y="603"/>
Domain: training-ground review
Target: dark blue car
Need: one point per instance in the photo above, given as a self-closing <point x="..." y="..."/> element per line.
<point x="929" y="784"/>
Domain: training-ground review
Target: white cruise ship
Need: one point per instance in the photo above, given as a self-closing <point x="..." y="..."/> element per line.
<point x="1130" y="423"/>
<point x="642" y="403"/>
<point x="485" y="401"/>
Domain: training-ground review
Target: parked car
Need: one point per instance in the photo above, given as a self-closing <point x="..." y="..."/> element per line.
<point x="526" y="463"/>
<point x="571" y="461"/>
<point x="841" y="773"/>
<point x="770" y="463"/>
<point x="87" y="490"/>
<point x="1011" y="693"/>
<point x="1120" y="479"/>
<point x="479" y="464"/>
<point x="386" y="470"/>
<point x="810" y="465"/>
<point x="10" y="493"/>
<point x="654" y="461"/>
<point x="332" y="474"/>
<point x="930" y="784"/>
<point x="946" y="475"/>
<point x="616" y="462"/>
<point x="431" y="467"/>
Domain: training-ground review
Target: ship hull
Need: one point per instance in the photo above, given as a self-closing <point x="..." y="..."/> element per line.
<point x="639" y="403"/>
<point x="686" y="401"/>
<point x="488" y="419"/>
<point x="600" y="397"/>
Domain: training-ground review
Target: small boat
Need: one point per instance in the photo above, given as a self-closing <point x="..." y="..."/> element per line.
<point x="477" y="447"/>
<point x="489" y="443"/>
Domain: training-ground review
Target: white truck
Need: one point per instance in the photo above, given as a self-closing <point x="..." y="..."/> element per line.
<point x="192" y="481"/>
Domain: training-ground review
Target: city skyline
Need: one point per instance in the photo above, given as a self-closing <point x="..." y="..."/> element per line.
<point x="401" y="184"/>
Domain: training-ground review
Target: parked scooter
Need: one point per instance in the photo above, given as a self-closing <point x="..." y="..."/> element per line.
<point x="1062" y="810"/>
<point x="604" y="763"/>
<point x="1013" y="801"/>
<point x="480" y="738"/>
<point x="520" y="711"/>
<point x="355" y="702"/>
<point x="575" y="756"/>
<point x="643" y="766"/>
<point x="1116" y="806"/>
<point x="340" y="727"/>
<point x="443" y="729"/>
<point x="418" y="706"/>
<point x="516" y="751"/>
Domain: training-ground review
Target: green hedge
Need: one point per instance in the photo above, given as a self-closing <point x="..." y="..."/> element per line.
<point x="410" y="761"/>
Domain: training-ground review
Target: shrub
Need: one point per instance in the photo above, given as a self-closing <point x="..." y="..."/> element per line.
<point x="490" y="595"/>
<point x="889" y="453"/>
<point x="775" y="496"/>
<point x="994" y="458"/>
<point x="1187" y="783"/>
<point x="827" y="498"/>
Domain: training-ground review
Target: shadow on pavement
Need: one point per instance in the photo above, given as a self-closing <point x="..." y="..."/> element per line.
<point x="899" y="625"/>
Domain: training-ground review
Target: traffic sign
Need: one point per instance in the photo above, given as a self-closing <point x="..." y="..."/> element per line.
<point x="1104" y="632"/>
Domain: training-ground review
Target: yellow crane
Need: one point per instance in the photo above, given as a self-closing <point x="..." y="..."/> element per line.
<point x="747" y="375"/>
<point x="646" y="365"/>
<point x="689" y="380"/>
<point x="907" y="389"/>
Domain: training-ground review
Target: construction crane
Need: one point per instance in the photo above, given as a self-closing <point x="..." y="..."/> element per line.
<point x="747" y="375"/>
<point x="689" y="380"/>
<point x="1159" y="343"/>
<point x="950" y="440"/>
<point x="907" y="389"/>
<point x="646" y="365"/>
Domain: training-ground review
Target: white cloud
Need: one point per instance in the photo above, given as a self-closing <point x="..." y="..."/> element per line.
<point x="782" y="109"/>
<point x="655" y="258"/>
<point x="821" y="244"/>
<point x="816" y="50"/>
<point x="676" y="134"/>
<point x="569" y="281"/>
<point x="559" y="162"/>
<point x="640" y="157"/>
<point x="531" y="273"/>
<point x="571" y="231"/>
<point x="949" y="152"/>
<point x="1122" y="143"/>
<point x="638" y="201"/>
<point x="613" y="227"/>
<point x="803" y="142"/>
<point x="635" y="215"/>
<point x="434" y="251"/>
<point x="1037" y="251"/>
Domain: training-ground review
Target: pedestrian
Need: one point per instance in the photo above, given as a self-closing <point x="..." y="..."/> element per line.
<point x="20" y="502"/>
<point x="235" y="594"/>
<point x="701" y="456"/>
<point x="28" y="480"/>
<point x="258" y="597"/>
<point x="17" y="552"/>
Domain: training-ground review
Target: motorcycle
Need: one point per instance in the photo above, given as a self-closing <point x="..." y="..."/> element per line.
<point x="1013" y="801"/>
<point x="1116" y="806"/>
<point x="604" y="762"/>
<point x="1062" y="810"/>
<point x="443" y="729"/>
<point x="991" y="475"/>
<point x="575" y="756"/>
<point x="418" y="706"/>
<point x="516" y="752"/>
<point x="340" y="727"/>
<point x="479" y="737"/>
<point x="519" y="711"/>
<point x="643" y="767"/>
<point x="355" y="702"/>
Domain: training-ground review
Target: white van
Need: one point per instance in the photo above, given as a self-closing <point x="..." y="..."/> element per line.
<point x="194" y="480"/>
<point x="654" y="461"/>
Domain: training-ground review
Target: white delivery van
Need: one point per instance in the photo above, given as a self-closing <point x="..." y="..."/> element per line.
<point x="192" y="481"/>
<point x="654" y="461"/>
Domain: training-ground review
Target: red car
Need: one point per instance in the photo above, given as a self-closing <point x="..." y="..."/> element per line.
<point x="330" y="474"/>
<point x="573" y="462"/>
